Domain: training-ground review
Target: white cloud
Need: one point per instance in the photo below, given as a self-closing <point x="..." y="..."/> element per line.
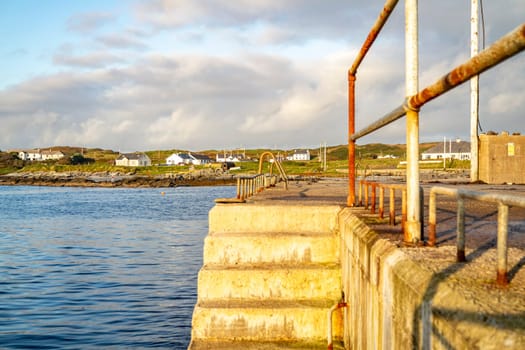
<point x="88" y="22"/>
<point x="214" y="74"/>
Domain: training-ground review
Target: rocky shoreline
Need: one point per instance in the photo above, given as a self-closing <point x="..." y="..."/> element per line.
<point x="105" y="179"/>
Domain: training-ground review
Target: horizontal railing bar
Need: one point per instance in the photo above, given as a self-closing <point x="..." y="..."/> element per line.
<point x="372" y="35"/>
<point x="387" y="119"/>
<point x="504" y="48"/>
<point x="506" y="199"/>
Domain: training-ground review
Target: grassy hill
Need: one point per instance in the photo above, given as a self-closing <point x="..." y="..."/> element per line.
<point x="369" y="156"/>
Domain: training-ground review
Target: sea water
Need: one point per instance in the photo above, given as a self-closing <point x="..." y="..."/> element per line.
<point x="100" y="268"/>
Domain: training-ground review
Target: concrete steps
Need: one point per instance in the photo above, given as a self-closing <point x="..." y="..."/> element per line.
<point x="269" y="281"/>
<point x="270" y="276"/>
<point x="247" y="345"/>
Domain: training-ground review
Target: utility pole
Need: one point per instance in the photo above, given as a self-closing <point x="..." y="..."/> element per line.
<point x="474" y="95"/>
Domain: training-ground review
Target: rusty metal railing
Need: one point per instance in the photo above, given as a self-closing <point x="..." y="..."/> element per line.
<point x="503" y="202"/>
<point x="248" y="186"/>
<point x="368" y="191"/>
<point x="507" y="46"/>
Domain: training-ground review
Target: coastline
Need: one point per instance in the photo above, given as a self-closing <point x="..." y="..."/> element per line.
<point x="80" y="179"/>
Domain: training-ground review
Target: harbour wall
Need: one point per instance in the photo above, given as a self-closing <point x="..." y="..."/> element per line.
<point x="395" y="301"/>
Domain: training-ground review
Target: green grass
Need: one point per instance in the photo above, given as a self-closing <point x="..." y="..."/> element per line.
<point x="337" y="164"/>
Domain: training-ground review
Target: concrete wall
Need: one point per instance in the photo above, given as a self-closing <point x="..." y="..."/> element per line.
<point x="502" y="158"/>
<point x="396" y="303"/>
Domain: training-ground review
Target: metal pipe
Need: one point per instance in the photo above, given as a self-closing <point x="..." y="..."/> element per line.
<point x="460" y="231"/>
<point x="506" y="47"/>
<point x="374" y="32"/>
<point x="474" y="95"/>
<point x="381" y="202"/>
<point x="432" y="218"/>
<point x="366" y="194"/>
<point x="373" y="204"/>
<point x="404" y="214"/>
<point x="413" y="224"/>
<point x="372" y="35"/>
<point x="387" y="119"/>
<point x="360" y="193"/>
<point x="351" y="143"/>
<point x="392" y="206"/>
<point x="503" y="220"/>
<point x="330" y="314"/>
<point x="238" y="188"/>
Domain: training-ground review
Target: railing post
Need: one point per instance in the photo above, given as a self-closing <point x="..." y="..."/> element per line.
<point x="503" y="219"/>
<point x="392" y="206"/>
<point x="373" y="205"/>
<point x="432" y="219"/>
<point x="238" y="188"/>
<point x="365" y="184"/>
<point x="351" y="143"/>
<point x="461" y="231"/>
<point x="413" y="224"/>
<point x="474" y="95"/>
<point x="360" y="193"/>
<point x="381" y="201"/>
<point x="404" y="214"/>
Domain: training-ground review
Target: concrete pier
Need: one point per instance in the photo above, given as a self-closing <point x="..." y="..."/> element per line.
<point x="275" y="265"/>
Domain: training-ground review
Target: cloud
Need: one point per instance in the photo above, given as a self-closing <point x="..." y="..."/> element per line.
<point x="90" y="60"/>
<point x="121" y="41"/>
<point x="216" y="73"/>
<point x="88" y="22"/>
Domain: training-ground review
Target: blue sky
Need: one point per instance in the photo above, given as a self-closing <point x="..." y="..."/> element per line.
<point x="212" y="74"/>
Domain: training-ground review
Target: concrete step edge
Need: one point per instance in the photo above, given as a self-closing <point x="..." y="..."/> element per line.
<point x="265" y="266"/>
<point x="321" y="303"/>
<point x="200" y="344"/>
<point x="271" y="234"/>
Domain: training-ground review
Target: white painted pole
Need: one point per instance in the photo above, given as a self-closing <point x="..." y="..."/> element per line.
<point x="474" y="94"/>
<point x="413" y="224"/>
<point x="444" y="152"/>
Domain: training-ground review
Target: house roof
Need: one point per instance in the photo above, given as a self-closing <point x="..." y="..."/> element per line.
<point x="450" y="147"/>
<point x="200" y="156"/>
<point x="52" y="152"/>
<point x="131" y="156"/>
<point x="184" y="156"/>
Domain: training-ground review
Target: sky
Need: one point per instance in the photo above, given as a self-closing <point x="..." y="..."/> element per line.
<point x="138" y="75"/>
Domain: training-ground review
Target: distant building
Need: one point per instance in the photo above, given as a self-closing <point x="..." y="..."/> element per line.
<point x="37" y="155"/>
<point x="52" y="155"/>
<point x="179" y="159"/>
<point x="502" y="158"/>
<point x="133" y="159"/>
<point x="300" y="154"/>
<point x="232" y="157"/>
<point x="199" y="159"/>
<point x="448" y="150"/>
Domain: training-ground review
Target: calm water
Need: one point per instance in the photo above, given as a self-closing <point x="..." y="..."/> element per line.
<point x="84" y="268"/>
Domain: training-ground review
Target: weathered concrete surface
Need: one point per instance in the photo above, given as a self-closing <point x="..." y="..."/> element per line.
<point x="271" y="273"/>
<point x="400" y="297"/>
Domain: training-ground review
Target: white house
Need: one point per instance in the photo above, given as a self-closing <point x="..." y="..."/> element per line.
<point x="300" y="154"/>
<point x="199" y="159"/>
<point x="133" y="159"/>
<point x="37" y="155"/>
<point x="52" y="155"/>
<point x="448" y="150"/>
<point x="220" y="158"/>
<point x="30" y="155"/>
<point x="179" y="159"/>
